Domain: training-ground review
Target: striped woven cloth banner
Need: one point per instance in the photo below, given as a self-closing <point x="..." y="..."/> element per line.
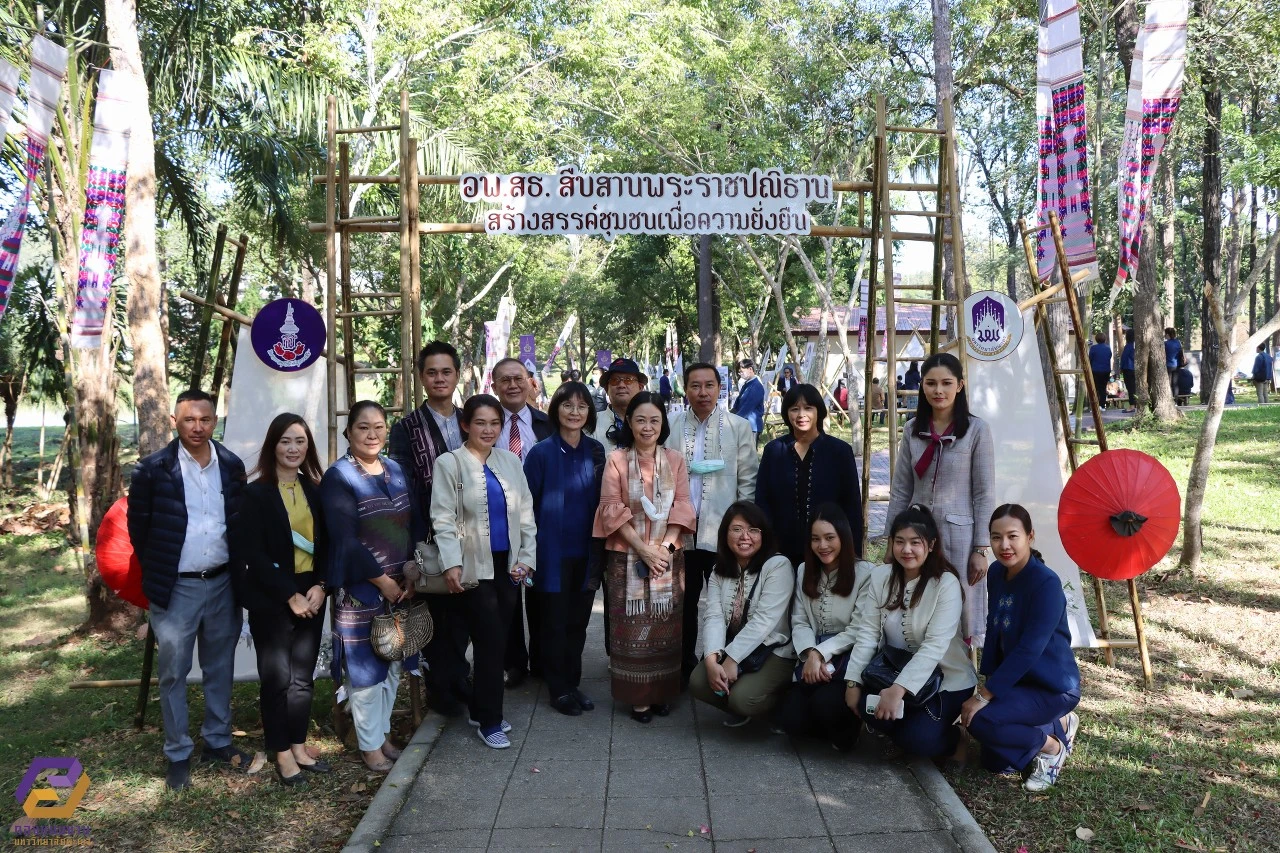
<point x="8" y="94"/>
<point x="1155" y="91"/>
<point x="1064" y="142"/>
<point x="48" y="70"/>
<point x="103" y="208"/>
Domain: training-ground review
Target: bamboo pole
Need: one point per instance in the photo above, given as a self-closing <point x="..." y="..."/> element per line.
<point x="331" y="275"/>
<point x="411" y="347"/>
<point x="224" y="338"/>
<point x="344" y="264"/>
<point x="206" y="318"/>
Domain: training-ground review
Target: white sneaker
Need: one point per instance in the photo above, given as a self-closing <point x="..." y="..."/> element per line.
<point x="475" y="724"/>
<point x="1073" y="726"/>
<point x="1045" y="770"/>
<point x="495" y="739"/>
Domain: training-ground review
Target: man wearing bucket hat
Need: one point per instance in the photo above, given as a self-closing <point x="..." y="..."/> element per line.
<point x="623" y="380"/>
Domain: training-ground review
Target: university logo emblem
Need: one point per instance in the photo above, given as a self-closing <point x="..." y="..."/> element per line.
<point x="993" y="325"/>
<point x="288" y="334"/>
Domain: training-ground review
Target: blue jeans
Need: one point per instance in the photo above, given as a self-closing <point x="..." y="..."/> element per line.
<point x="203" y="609"/>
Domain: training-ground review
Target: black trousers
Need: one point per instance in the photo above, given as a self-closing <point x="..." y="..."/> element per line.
<point x="697" y="570"/>
<point x="564" y="617"/>
<point x="819" y="710"/>
<point x="287" y="647"/>
<point x="517" y="655"/>
<point x="446" y="654"/>
<point x="486" y="612"/>
<point x="1130" y="385"/>
<point x="1100" y="385"/>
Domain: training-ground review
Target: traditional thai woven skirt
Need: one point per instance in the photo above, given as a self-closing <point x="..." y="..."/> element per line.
<point x="644" y="658"/>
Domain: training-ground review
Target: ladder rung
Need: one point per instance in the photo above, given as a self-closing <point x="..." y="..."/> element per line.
<point x="342" y="413"/>
<point x="924" y="301"/>
<point x="394" y="294"/>
<point x="896" y="128"/>
<point x="360" y="179"/>
<point x="1053" y="300"/>
<point x="1069" y="371"/>
<point x="367" y="220"/>
<point x="364" y="370"/>
<point x="936" y="213"/>
<point x="376" y="128"/>
<point x="916" y="188"/>
<point x="1034" y="229"/>
<point x="1083" y="440"/>
<point x="390" y="313"/>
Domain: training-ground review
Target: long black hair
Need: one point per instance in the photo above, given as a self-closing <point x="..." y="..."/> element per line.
<point x="265" y="470"/>
<point x="726" y="562"/>
<point x="924" y="410"/>
<point x="846" y="560"/>
<point x="919" y="519"/>
<point x="1019" y="512"/>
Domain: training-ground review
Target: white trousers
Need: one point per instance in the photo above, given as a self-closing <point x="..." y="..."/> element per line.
<point x="371" y="709"/>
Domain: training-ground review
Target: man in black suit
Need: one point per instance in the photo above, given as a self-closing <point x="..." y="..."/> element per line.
<point x="522" y="427"/>
<point x="182" y="499"/>
<point x="416" y="442"/>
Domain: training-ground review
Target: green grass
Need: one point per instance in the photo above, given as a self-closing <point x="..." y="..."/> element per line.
<point x="1146" y="759"/>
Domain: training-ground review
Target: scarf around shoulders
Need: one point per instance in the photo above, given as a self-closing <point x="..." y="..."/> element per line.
<point x="649" y="518"/>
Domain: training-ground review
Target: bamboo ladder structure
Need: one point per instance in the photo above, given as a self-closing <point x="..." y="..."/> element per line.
<point x="1064" y="291"/>
<point x="345" y="306"/>
<point x="946" y="209"/>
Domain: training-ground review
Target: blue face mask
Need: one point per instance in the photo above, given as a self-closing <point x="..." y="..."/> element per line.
<point x="706" y="466"/>
<point x="302" y="543"/>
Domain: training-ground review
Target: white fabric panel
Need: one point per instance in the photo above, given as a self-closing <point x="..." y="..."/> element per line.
<point x="1010" y="395"/>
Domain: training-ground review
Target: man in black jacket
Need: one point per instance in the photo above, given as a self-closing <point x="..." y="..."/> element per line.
<point x="522" y="427"/>
<point x="417" y="441"/>
<point x="181" y="501"/>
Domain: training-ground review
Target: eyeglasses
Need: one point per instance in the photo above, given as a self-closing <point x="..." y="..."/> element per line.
<point x="510" y="380"/>
<point x="739" y="530"/>
<point x="574" y="408"/>
<point x="623" y="380"/>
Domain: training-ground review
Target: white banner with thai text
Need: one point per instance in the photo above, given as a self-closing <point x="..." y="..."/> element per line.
<point x="570" y="202"/>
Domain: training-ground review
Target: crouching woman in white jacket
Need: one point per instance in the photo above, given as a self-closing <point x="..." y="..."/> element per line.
<point x="909" y="632"/>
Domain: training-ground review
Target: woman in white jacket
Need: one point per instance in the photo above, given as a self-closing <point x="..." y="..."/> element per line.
<point x="482" y="514"/>
<point x="748" y="658"/>
<point x="829" y="584"/>
<point x="913" y="605"/>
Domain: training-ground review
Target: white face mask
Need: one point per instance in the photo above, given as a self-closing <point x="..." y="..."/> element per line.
<point x="706" y="466"/>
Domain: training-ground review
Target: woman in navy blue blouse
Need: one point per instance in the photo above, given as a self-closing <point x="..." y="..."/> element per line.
<point x="564" y="473"/>
<point x="1024" y="714"/>
<point x="801" y="471"/>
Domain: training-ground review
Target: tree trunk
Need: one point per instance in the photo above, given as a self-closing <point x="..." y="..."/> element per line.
<point x="1147" y="329"/>
<point x="944" y="88"/>
<point x="1013" y="243"/>
<point x="150" y="382"/>
<point x="1198" y="479"/>
<point x="1211" y="209"/>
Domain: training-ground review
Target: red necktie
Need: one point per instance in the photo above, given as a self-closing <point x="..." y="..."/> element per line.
<point x="514" y="436"/>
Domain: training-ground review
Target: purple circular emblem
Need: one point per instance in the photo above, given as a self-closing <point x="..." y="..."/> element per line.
<point x="288" y="334"/>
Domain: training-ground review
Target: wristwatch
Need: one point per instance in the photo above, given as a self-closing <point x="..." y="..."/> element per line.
<point x="671" y="547"/>
<point x="852" y="684"/>
<point x="982" y="549"/>
<point x="721" y="656"/>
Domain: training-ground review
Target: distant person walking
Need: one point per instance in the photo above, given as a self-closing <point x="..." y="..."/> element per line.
<point x="1100" y="366"/>
<point x="1129" y="371"/>
<point x="1173" y="357"/>
<point x="664" y="388"/>
<point x="1262" y="373"/>
<point x="750" y="402"/>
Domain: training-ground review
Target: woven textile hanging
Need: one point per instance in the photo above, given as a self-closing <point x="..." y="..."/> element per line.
<point x="103" y="209"/>
<point x="8" y="94"/>
<point x="1155" y="91"/>
<point x="48" y="70"/>
<point x="1064" y="143"/>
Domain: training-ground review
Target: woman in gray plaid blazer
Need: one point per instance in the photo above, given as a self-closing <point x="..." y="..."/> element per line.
<point x="946" y="462"/>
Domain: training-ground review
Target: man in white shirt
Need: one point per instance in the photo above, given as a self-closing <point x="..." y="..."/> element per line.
<point x="720" y="450"/>
<point x="623" y="380"/>
<point x="182" y="499"/>
<point x="522" y="427"/>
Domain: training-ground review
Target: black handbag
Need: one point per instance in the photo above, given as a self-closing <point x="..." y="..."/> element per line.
<point x="884" y="670"/>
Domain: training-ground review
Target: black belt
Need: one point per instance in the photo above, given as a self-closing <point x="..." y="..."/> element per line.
<point x="206" y="574"/>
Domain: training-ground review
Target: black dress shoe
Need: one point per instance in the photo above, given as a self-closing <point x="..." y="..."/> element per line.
<point x="318" y="767"/>
<point x="514" y="678"/>
<point x="178" y="776"/>
<point x="641" y="716"/>
<point x="296" y="779"/>
<point x="230" y="756"/>
<point x="567" y="705"/>
<point x="584" y="701"/>
<point x="661" y="710"/>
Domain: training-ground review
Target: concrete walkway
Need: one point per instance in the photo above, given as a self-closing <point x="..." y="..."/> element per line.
<point x="602" y="782"/>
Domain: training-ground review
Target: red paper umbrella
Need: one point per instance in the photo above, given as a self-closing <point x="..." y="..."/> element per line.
<point x="116" y="561"/>
<point x="1119" y="514"/>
